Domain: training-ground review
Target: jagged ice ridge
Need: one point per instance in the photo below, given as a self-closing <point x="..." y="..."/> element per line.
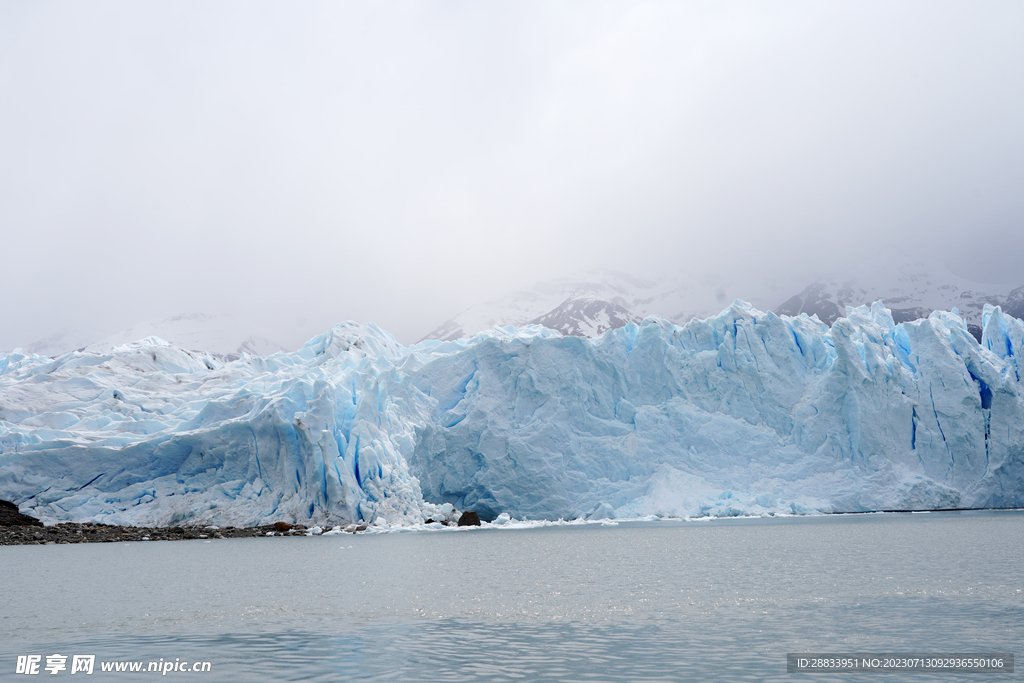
<point x="743" y="413"/>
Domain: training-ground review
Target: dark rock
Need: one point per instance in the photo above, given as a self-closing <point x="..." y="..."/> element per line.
<point x="282" y="526"/>
<point x="1014" y="303"/>
<point x="905" y="315"/>
<point x="469" y="518"/>
<point x="816" y="299"/>
<point x="9" y="516"/>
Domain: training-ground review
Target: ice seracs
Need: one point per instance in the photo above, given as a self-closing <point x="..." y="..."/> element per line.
<point x="745" y="412"/>
<point x="739" y="413"/>
<point x="152" y="434"/>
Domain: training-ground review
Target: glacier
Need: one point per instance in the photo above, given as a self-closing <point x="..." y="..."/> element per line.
<point x="742" y="413"/>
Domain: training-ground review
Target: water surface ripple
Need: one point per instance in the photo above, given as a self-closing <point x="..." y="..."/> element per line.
<point x="722" y="600"/>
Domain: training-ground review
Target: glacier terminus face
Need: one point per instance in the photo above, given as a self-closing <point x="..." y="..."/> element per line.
<point x="742" y="413"/>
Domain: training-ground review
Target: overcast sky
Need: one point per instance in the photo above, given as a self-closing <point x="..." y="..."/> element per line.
<point x="307" y="163"/>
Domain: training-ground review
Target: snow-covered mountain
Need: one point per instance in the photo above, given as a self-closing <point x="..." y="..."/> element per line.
<point x="64" y="340"/>
<point x="912" y="289"/>
<point x="582" y="316"/>
<point x="743" y="413"/>
<point x="603" y="300"/>
<point x="221" y="336"/>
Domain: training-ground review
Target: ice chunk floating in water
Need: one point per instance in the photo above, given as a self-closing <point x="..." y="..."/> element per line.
<point x="743" y="413"/>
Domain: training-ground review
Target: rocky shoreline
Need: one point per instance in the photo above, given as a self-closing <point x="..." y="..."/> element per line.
<point x="20" y="529"/>
<point x="71" y="532"/>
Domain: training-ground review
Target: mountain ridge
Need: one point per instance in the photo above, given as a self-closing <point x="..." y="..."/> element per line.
<point x="222" y="336"/>
<point x="599" y="300"/>
<point x="911" y="288"/>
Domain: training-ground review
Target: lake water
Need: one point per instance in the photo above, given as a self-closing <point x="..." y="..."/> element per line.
<point x="720" y="600"/>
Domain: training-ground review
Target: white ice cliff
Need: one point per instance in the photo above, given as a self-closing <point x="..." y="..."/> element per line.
<point x="743" y="413"/>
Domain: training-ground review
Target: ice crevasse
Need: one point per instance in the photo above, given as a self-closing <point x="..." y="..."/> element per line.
<point x="743" y="413"/>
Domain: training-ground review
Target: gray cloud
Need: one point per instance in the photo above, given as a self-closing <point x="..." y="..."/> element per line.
<point x="305" y="164"/>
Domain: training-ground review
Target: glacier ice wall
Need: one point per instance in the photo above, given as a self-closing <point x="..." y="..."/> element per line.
<point x="150" y="434"/>
<point x="745" y="412"/>
<point x="739" y="413"/>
